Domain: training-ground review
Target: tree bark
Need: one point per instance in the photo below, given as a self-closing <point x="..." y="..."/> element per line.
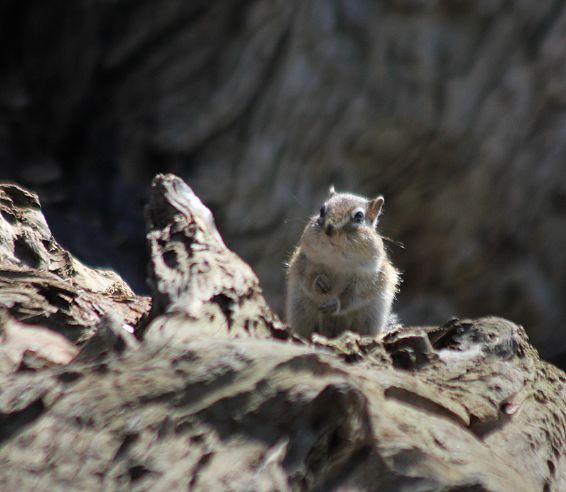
<point x="42" y="283"/>
<point x="213" y="393"/>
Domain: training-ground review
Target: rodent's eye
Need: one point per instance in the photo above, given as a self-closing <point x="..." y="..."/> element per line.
<point x="322" y="211"/>
<point x="358" y="217"/>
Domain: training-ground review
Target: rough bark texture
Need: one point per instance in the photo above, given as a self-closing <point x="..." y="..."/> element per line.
<point x="454" y="110"/>
<point x="194" y="275"/>
<point x="214" y="394"/>
<point x="41" y="283"/>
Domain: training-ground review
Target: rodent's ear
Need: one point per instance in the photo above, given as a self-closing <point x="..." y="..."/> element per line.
<point x="331" y="190"/>
<point x="374" y="209"/>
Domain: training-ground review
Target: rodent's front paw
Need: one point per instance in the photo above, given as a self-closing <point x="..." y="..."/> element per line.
<point x="322" y="283"/>
<point x="332" y="306"/>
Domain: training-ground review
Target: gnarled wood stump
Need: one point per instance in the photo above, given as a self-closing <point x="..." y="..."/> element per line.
<point x="212" y="392"/>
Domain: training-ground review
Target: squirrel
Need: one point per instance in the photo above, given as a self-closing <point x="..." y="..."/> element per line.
<point x="339" y="277"/>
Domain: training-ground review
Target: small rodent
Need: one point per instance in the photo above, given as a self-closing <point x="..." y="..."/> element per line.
<point x="339" y="276"/>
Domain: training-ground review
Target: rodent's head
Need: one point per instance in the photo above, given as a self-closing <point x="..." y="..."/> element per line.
<point x="345" y="232"/>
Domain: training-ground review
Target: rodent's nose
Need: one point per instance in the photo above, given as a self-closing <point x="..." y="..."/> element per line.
<point x="329" y="230"/>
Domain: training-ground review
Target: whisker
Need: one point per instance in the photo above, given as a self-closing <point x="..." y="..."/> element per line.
<point x="394" y="242"/>
<point x="302" y="219"/>
<point x="299" y="202"/>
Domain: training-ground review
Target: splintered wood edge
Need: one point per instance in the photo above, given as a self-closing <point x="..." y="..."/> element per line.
<point x="170" y="190"/>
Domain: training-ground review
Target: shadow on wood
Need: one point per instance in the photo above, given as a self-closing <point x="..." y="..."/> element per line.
<point x="212" y="393"/>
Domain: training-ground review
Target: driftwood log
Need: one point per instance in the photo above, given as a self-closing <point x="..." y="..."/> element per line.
<point x="210" y="391"/>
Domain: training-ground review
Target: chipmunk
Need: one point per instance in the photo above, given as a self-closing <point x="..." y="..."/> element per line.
<point x="339" y="276"/>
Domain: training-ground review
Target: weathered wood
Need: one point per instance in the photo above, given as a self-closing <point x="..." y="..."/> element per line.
<point x="198" y="284"/>
<point x="41" y="283"/>
<point x="202" y="403"/>
<point x="27" y="347"/>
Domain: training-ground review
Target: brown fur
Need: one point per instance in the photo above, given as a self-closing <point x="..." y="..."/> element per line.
<point x="339" y="276"/>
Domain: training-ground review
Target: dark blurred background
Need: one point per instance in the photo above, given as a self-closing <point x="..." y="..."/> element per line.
<point x="455" y="110"/>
